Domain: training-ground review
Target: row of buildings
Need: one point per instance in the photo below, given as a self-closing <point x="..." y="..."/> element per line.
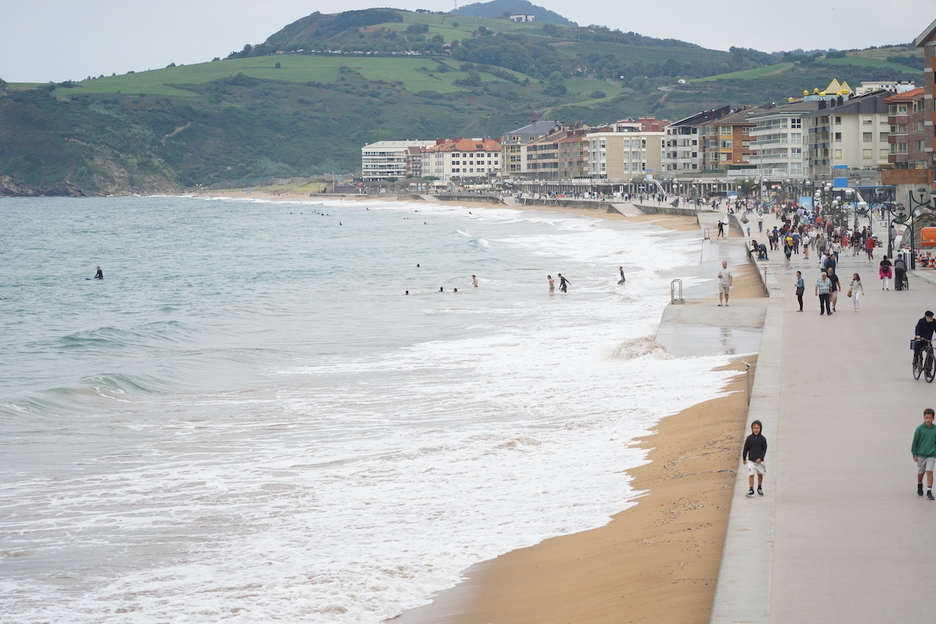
<point x="879" y="126"/>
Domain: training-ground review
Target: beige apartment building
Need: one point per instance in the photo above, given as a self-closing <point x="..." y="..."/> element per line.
<point x="622" y="152"/>
<point x="462" y="158"/>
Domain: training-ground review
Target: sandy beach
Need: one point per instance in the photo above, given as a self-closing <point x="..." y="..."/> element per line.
<point x="656" y="561"/>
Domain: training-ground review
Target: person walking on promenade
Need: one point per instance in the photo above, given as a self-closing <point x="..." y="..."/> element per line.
<point x="724" y="283"/>
<point x="822" y="291"/>
<point x="800" y="289"/>
<point x="855" y="291"/>
<point x="923" y="449"/>
<point x="886" y="273"/>
<point x="806" y="241"/>
<point x="753" y="454"/>
<point x="900" y="271"/>
<point x="721" y="229"/>
<point x="869" y="247"/>
<point x="563" y="283"/>
<point x="552" y="284"/>
<point x="760" y="222"/>
<point x="835" y="286"/>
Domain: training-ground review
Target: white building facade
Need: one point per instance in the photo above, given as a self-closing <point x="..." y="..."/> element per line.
<point x="388" y="159"/>
<point x="778" y="144"/>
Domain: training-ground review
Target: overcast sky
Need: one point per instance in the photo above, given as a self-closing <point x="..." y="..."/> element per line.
<point x="56" y="40"/>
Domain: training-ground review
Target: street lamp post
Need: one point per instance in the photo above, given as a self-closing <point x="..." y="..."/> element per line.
<point x="915" y="209"/>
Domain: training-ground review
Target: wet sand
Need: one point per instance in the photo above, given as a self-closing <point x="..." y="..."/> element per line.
<point x="655" y="562"/>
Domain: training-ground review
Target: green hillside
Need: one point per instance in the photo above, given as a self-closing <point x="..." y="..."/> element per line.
<point x="306" y="100"/>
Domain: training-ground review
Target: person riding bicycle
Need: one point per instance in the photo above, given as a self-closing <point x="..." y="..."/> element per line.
<point x="924" y="330"/>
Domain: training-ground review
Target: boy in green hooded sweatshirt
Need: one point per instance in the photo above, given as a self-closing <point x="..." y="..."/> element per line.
<point x="924" y="452"/>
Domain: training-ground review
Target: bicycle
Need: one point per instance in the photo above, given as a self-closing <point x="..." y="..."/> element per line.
<point x="924" y="361"/>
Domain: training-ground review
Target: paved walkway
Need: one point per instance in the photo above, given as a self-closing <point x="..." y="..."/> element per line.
<point x="841" y="535"/>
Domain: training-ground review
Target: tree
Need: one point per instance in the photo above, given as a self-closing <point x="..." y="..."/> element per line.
<point x="277" y="66"/>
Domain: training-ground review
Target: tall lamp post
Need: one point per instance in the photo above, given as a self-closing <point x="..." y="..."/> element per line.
<point x="918" y="200"/>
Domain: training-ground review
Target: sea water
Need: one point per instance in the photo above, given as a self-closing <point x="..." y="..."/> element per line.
<point x="248" y="420"/>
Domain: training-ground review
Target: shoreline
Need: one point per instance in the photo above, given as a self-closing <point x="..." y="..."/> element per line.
<point x="656" y="561"/>
<point x="659" y="559"/>
<point x="677" y="223"/>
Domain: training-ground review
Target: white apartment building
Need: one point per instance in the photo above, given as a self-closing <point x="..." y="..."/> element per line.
<point x="462" y="158"/>
<point x="777" y="142"/>
<point x="388" y="159"/>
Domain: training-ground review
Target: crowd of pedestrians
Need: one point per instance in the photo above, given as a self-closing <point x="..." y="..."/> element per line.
<point x="801" y="230"/>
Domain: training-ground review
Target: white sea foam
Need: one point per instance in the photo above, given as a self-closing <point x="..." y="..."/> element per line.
<point x="382" y="445"/>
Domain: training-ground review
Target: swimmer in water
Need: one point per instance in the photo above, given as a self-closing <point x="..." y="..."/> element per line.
<point x="100" y="274"/>
<point x="474" y="281"/>
<point x="552" y="284"/>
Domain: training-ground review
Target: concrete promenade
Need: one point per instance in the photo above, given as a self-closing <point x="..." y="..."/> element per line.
<point x="841" y="535"/>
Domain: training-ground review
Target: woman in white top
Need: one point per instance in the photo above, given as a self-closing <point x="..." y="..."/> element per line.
<point x="856" y="290"/>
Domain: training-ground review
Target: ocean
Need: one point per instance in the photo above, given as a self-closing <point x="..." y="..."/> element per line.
<point x="247" y="419"/>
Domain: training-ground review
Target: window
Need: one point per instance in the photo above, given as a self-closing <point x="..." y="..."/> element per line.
<point x="796" y="123"/>
<point x="796" y="137"/>
<point x="898" y="129"/>
<point x="838" y="119"/>
<point x="921" y="146"/>
<point x="883" y="137"/>
<point x="897" y="109"/>
<point x="796" y="151"/>
<point x="884" y="153"/>
<point x="898" y="148"/>
<point x="867" y="153"/>
<point x="838" y="154"/>
<point x="838" y="136"/>
<point x="919" y="106"/>
<point x="867" y="137"/>
<point x="919" y="126"/>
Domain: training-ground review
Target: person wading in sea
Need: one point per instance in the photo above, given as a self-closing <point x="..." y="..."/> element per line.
<point x="563" y="283"/>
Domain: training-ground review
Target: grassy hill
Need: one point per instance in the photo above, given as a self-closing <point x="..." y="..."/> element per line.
<point x="307" y="99"/>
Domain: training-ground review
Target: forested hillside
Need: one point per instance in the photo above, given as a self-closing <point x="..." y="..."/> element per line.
<point x="306" y="100"/>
